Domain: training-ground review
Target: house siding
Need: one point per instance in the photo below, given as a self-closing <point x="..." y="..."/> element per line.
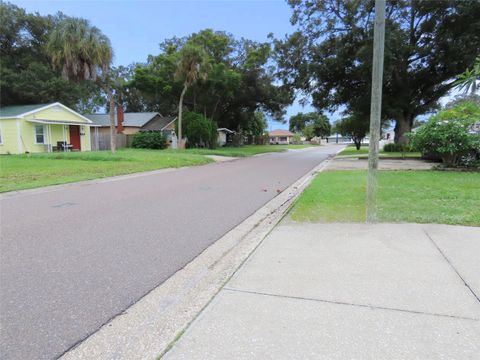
<point x="19" y="134"/>
<point x="56" y="113"/>
<point x="9" y="145"/>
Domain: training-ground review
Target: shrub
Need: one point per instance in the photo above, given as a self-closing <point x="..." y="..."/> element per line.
<point x="297" y="139"/>
<point x="261" y="139"/>
<point x="200" y="131"/>
<point x="149" y="140"/>
<point x="392" y="147"/>
<point x="450" y="134"/>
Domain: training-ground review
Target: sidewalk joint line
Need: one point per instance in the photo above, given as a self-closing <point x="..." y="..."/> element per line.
<point x="451" y="265"/>
<point x="349" y="304"/>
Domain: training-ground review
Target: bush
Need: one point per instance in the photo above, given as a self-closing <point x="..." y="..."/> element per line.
<point x="450" y="134"/>
<point x="149" y="140"/>
<point x="297" y="139"/>
<point x="261" y="139"/>
<point x="200" y="131"/>
<point x="392" y="147"/>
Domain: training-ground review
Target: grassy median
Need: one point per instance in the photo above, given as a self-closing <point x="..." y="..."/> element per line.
<point x="404" y="196"/>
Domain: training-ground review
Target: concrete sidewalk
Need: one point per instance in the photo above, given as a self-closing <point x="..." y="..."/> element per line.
<point x="347" y="291"/>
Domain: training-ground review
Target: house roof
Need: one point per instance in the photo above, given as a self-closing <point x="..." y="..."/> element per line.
<point x="159" y="123"/>
<point x="17" y="110"/>
<point x="280" y="132"/>
<point x="137" y="119"/>
<point x="226" y="130"/>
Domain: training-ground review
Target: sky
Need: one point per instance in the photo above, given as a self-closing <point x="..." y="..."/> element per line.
<point x="135" y="28"/>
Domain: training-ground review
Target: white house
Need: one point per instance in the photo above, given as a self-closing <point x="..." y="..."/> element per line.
<point x="224" y="136"/>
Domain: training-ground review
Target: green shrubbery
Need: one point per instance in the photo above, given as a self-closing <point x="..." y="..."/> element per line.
<point x="149" y="140"/>
<point x="200" y="131"/>
<point x="452" y="134"/>
<point x="392" y="147"/>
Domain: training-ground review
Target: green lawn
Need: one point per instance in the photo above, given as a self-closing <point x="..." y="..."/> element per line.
<point x="351" y="151"/>
<point x="35" y="170"/>
<point x="247" y="150"/>
<point x="404" y="196"/>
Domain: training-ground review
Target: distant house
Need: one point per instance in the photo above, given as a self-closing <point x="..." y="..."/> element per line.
<point x="224" y="136"/>
<point x="129" y="124"/>
<point x="280" y="137"/>
<point x="43" y="128"/>
<point x="338" y="139"/>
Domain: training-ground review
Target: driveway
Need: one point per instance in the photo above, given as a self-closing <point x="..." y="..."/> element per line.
<point x="74" y="257"/>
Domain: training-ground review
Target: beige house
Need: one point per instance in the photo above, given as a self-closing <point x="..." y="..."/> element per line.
<point x="282" y="137"/>
<point x="129" y="124"/>
<point x="134" y="122"/>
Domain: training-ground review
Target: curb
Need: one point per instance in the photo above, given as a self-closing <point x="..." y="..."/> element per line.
<point x="154" y="323"/>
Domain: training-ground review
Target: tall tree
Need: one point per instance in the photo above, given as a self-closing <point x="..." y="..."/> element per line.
<point x="468" y="81"/>
<point x="126" y="94"/>
<point x="353" y="126"/>
<point x="427" y="44"/>
<point x="192" y="66"/>
<point x="240" y="81"/>
<point x="320" y="126"/>
<point x="26" y="72"/>
<point x="83" y="52"/>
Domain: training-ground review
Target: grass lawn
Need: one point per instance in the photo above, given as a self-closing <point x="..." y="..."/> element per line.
<point x="351" y="151"/>
<point x="404" y="196"/>
<point x="35" y="170"/>
<point x="247" y="150"/>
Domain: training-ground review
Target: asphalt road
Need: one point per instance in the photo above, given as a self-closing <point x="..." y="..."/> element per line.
<point x="76" y="256"/>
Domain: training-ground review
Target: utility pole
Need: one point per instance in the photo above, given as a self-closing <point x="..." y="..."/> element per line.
<point x="375" y="109"/>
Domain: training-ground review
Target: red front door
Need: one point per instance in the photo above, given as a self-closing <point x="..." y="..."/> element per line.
<point x="75" y="137"/>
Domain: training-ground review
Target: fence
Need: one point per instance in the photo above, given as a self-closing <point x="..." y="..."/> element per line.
<point x="103" y="141"/>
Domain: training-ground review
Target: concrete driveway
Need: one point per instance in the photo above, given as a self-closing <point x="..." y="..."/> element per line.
<point x="75" y="256"/>
<point x="347" y="291"/>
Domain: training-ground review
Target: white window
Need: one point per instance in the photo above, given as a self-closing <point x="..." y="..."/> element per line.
<point x="1" y="137"/>
<point x="39" y="134"/>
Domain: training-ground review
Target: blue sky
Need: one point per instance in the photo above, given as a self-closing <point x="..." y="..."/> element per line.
<point x="135" y="28"/>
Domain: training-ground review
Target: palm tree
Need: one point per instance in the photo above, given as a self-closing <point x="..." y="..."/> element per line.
<point x="83" y="52"/>
<point x="468" y="80"/>
<point x="192" y="66"/>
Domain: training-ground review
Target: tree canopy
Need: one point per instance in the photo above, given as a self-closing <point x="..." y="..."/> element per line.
<point x="26" y="73"/>
<point x="427" y="44"/>
<point x="354" y="127"/>
<point x="239" y="82"/>
<point x="310" y="124"/>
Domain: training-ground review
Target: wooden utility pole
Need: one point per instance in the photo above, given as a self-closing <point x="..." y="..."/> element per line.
<point x="375" y="109"/>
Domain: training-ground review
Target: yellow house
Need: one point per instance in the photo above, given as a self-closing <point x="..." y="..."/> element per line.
<point x="43" y="128"/>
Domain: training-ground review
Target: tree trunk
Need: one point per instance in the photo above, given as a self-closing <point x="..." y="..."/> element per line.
<point x="113" y="135"/>
<point x="194" y="100"/>
<point x="403" y="125"/>
<point x="215" y="108"/>
<point x="358" y="142"/>
<point x="180" y="108"/>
